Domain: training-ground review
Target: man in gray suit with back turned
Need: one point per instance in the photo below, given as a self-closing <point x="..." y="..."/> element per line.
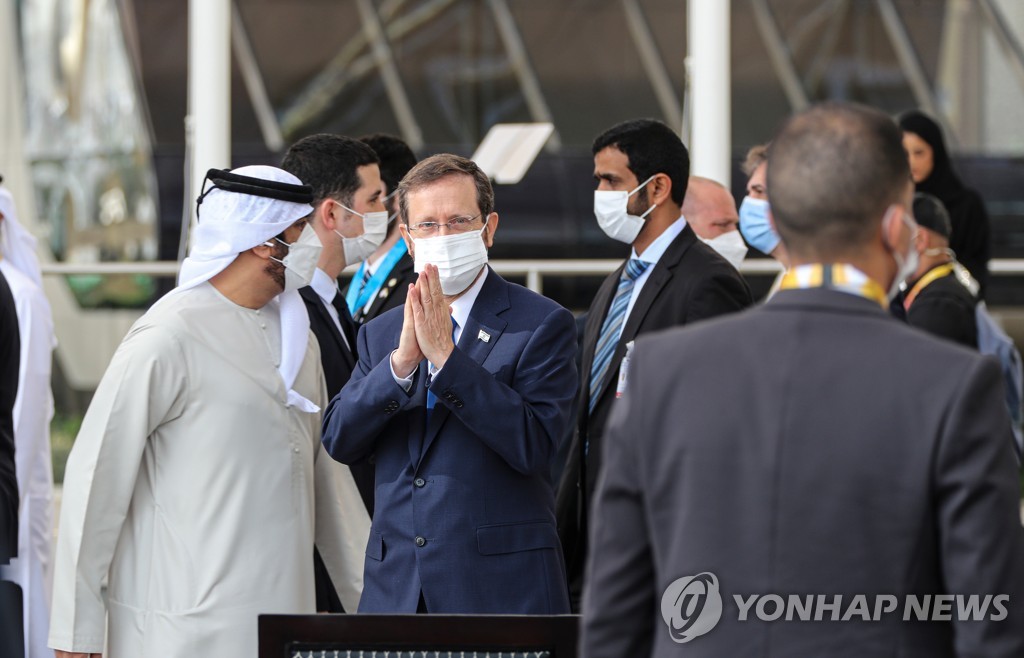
<point x="811" y="448"/>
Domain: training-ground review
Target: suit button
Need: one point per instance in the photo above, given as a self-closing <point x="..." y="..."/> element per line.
<point x="420" y="482"/>
<point x="421" y="542"/>
<point x="458" y="404"/>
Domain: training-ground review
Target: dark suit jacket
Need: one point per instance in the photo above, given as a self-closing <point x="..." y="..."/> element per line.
<point x="946" y="308"/>
<point x="690" y="282"/>
<point x="338" y="361"/>
<point x="392" y="294"/>
<point x="813" y="445"/>
<point x="464" y="506"/>
<point x="10" y="357"/>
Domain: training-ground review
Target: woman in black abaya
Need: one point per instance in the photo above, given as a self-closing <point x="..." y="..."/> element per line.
<point x="933" y="173"/>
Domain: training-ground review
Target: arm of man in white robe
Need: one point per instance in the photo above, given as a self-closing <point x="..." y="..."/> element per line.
<point x="144" y="386"/>
<point x="342" y="528"/>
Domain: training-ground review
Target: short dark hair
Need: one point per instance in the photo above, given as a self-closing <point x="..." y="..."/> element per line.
<point x="832" y="171"/>
<point x="651" y="148"/>
<point x="396" y="158"/>
<point x="930" y="213"/>
<point x="329" y="164"/>
<point x="441" y="166"/>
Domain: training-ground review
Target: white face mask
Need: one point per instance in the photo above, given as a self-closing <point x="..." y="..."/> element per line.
<point x="906" y="264"/>
<point x="611" y="210"/>
<point x="458" y="257"/>
<point x="301" y="259"/>
<point x="375" y="229"/>
<point x="729" y="246"/>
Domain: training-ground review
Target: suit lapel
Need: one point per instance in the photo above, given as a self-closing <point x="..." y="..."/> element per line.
<point x="483" y="317"/>
<point x="324" y="317"/>
<point x="396" y="278"/>
<point x="418" y="417"/>
<point x="348" y="326"/>
<point x="660" y="275"/>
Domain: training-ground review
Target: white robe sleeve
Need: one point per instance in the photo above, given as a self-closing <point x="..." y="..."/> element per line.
<point x="33" y="410"/>
<point x="33" y="406"/>
<point x="342" y="523"/>
<point x="144" y="386"/>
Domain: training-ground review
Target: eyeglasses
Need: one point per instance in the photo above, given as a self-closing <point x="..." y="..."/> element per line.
<point x="456" y="225"/>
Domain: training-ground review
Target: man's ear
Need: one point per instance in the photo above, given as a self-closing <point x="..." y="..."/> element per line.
<point x="328" y="213"/>
<point x="492" y="226"/>
<point x="892" y="226"/>
<point x="263" y="251"/>
<point x="921" y="240"/>
<point x="404" y="230"/>
<point x="662" y="190"/>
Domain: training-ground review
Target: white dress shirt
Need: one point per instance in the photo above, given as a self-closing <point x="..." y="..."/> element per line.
<point x="652" y="254"/>
<point x="326" y="289"/>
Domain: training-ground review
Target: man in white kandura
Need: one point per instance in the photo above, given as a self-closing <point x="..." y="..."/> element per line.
<point x="33" y="410"/>
<point x="197" y="484"/>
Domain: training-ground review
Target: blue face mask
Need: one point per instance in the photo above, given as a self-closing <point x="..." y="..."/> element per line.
<point x="756" y="227"/>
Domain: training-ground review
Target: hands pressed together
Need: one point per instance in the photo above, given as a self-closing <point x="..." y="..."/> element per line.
<point x="427" y="329"/>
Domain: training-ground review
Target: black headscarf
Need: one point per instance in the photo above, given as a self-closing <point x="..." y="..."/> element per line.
<point x="942" y="182"/>
<point x="967" y="214"/>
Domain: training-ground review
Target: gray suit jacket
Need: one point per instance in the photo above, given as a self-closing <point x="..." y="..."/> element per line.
<point x="809" y="446"/>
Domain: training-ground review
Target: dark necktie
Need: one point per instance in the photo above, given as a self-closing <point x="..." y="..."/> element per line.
<point x="342" y="308"/>
<point x="339" y="305"/>
<point x="431" y="398"/>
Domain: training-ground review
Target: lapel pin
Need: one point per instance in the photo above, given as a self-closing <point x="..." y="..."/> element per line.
<point x="484" y="336"/>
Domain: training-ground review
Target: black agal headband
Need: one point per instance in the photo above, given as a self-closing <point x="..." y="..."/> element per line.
<point x="223" y="179"/>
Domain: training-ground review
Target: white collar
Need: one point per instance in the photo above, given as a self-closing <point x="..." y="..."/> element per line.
<point x="324" y="286"/>
<point x="652" y="254"/>
<point x="464" y="304"/>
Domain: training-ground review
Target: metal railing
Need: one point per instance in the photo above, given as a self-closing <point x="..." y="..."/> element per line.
<point x="534" y="270"/>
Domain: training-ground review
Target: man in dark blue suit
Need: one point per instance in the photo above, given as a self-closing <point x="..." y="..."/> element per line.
<point x="462" y="396"/>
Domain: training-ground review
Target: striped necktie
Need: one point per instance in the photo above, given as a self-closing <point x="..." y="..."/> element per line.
<point x="366" y="279"/>
<point x="611" y="330"/>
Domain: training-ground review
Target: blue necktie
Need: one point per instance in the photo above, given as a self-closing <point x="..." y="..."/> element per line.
<point x="431" y="398"/>
<point x="611" y="330"/>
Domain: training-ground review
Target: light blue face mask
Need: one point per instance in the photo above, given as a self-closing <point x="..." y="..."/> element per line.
<point x="755" y="226"/>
